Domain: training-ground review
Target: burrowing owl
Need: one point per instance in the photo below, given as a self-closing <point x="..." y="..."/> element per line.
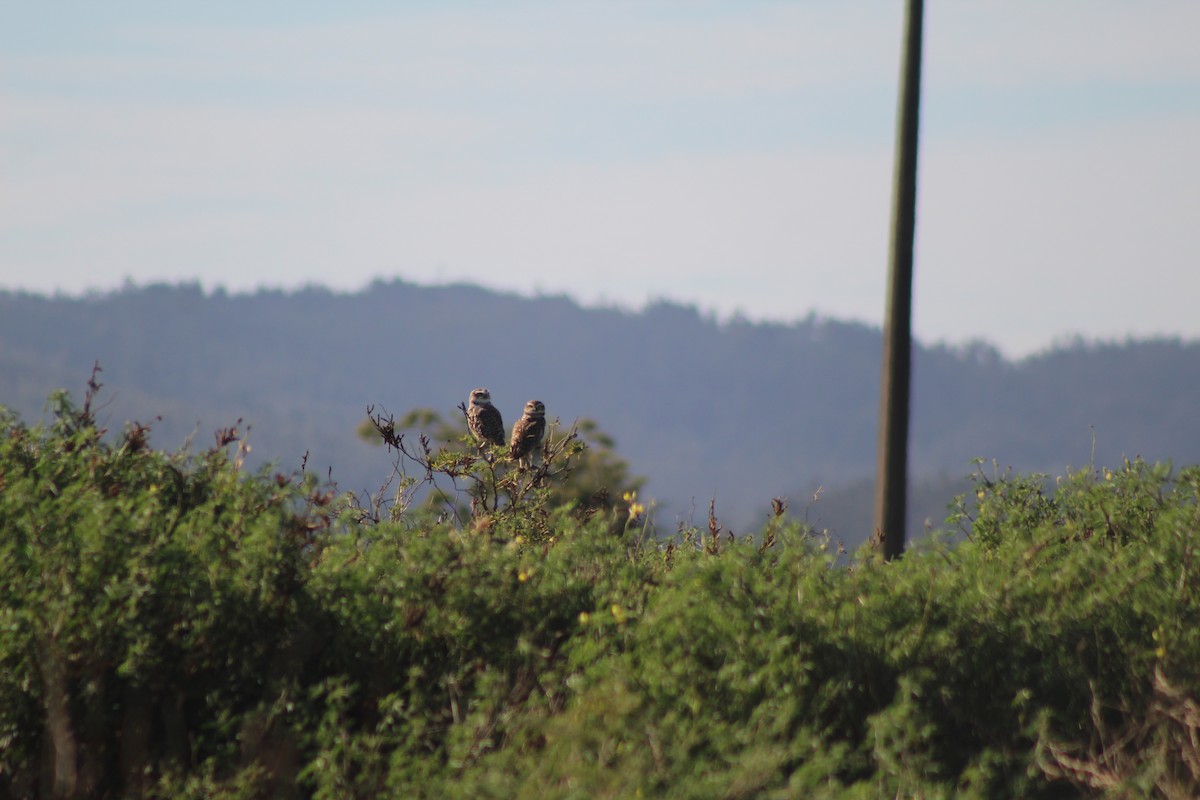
<point x="528" y="432"/>
<point x="483" y="418"/>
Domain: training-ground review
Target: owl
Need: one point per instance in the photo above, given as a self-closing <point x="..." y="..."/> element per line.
<point x="528" y="432"/>
<point x="483" y="418"/>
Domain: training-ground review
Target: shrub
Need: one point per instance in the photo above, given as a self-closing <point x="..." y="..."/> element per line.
<point x="172" y="625"/>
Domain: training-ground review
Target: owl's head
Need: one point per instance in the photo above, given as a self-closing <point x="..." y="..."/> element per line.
<point x="535" y="408"/>
<point x="481" y="397"/>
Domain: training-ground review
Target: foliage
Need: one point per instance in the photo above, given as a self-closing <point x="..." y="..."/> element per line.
<point x="172" y="625"/>
<point x="148" y="596"/>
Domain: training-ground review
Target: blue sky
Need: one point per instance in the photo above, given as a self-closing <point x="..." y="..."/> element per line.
<point x="735" y="155"/>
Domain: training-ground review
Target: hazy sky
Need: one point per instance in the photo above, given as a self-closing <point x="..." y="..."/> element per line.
<point x="735" y="155"/>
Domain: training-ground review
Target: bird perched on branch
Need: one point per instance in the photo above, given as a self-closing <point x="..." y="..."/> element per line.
<point x="528" y="431"/>
<point x="483" y="418"/>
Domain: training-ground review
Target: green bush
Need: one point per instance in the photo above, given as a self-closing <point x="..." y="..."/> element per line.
<point x="173" y="626"/>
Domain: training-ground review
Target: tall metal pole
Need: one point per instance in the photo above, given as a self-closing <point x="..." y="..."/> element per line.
<point x="891" y="472"/>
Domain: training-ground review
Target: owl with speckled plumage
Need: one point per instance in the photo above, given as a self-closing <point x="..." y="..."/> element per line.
<point x="528" y="431"/>
<point x="483" y="418"/>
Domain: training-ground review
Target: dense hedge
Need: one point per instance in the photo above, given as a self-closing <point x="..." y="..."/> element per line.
<point x="172" y="626"/>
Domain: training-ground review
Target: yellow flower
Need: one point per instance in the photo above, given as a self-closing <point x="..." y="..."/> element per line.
<point x="618" y="613"/>
<point x="636" y="510"/>
<point x="629" y="497"/>
<point x="522" y="576"/>
<point x="584" y="617"/>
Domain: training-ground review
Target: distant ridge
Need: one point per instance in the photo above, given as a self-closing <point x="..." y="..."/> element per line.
<point x="736" y="410"/>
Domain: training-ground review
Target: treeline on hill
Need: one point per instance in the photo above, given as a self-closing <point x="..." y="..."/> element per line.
<point x="173" y="625"/>
<point x="737" y="410"/>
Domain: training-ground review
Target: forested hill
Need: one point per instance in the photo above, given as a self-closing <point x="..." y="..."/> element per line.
<point x="738" y="410"/>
